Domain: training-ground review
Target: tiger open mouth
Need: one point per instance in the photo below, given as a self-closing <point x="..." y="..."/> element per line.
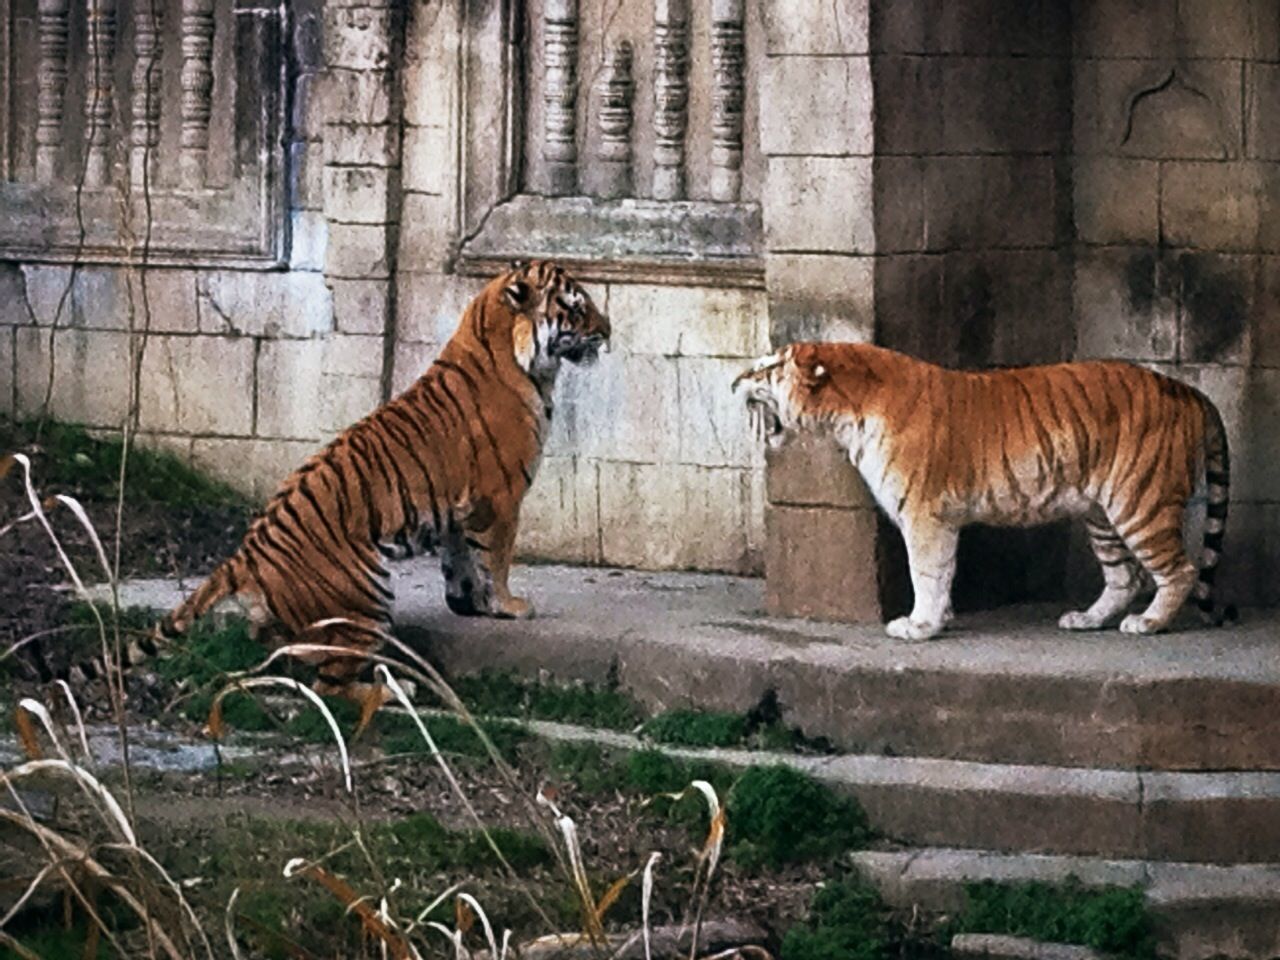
<point x="765" y="422"/>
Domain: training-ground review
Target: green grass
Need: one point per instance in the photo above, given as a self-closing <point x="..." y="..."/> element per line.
<point x="70" y="458"/>
<point x="1111" y="919"/>
<point x="401" y="735"/>
<point x="56" y="942"/>
<point x="503" y="694"/>
<point x="778" y="815"/>
<point x="698" y="728"/>
<point x="847" y="921"/>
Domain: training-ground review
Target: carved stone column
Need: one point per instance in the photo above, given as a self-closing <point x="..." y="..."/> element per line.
<point x="197" y="89"/>
<point x="727" y="58"/>
<point x="99" y="88"/>
<point x="615" y="122"/>
<point x="670" y="96"/>
<point x="559" y="143"/>
<point x="51" y="86"/>
<point x="148" y="18"/>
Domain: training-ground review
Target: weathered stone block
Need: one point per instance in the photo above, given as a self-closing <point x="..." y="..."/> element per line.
<point x="1031" y="114"/>
<point x="1125" y="305"/>
<point x="1262" y="132"/>
<point x="1005" y="308"/>
<point x="1264" y="308"/>
<point x="819" y="204"/>
<point x="306" y="175"/>
<point x="356" y="250"/>
<point x="429" y="86"/>
<point x="902" y="85"/>
<point x="812" y="471"/>
<point x="674" y="516"/>
<point x="714" y="429"/>
<point x="908" y="296"/>
<point x="358" y="38"/>
<point x="1216" y="298"/>
<point x="818" y="297"/>
<point x="560" y="517"/>
<point x="798" y="27"/>
<point x="91" y="381"/>
<point x="308" y="31"/>
<point x="428" y="156"/>
<point x="310" y="105"/>
<point x="1117" y="201"/>
<point x="356" y="194"/>
<point x="976" y="202"/>
<point x="626" y="407"/>
<point x="816" y="105"/>
<point x="1146" y="108"/>
<point x="429" y="306"/>
<point x="1221" y="206"/>
<point x="360" y="306"/>
<point x="295" y="304"/>
<point x="1124" y="28"/>
<point x="820" y="562"/>
<point x="255" y="467"/>
<point x="938" y="26"/>
<point x="8" y="373"/>
<point x="362" y="144"/>
<point x="13" y="296"/>
<point x="308" y="238"/>
<point x="357" y="96"/>
<point x="899" y="204"/>
<point x="411" y="360"/>
<point x="1239" y="29"/>
<point x="314" y="388"/>
<point x="1251" y="547"/>
<point x="686" y="321"/>
<point x="426" y="232"/>
<point x="197" y="385"/>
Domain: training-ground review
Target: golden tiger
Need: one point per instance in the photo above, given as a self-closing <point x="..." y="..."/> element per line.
<point x="1112" y="442"/>
<point x="445" y="464"/>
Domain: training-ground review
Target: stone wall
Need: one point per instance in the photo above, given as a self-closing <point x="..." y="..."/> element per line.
<point x="1176" y="187"/>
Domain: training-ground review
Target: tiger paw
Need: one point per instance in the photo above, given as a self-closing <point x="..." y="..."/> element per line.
<point x="513" y="608"/>
<point x="1138" y="624"/>
<point x="904" y="628"/>
<point x="1079" y="620"/>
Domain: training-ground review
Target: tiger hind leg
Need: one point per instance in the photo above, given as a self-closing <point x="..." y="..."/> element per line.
<point x="339" y="676"/>
<point x="475" y="567"/>
<point x="1158" y="546"/>
<point x="1121" y="574"/>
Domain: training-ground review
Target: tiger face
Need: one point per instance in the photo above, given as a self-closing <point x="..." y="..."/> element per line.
<point x="770" y="397"/>
<point x="556" y="318"/>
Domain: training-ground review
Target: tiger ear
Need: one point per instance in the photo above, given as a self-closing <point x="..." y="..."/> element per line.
<point x="816" y="375"/>
<point x="516" y="294"/>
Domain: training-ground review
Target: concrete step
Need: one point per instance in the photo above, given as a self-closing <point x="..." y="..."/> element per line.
<point x="1199" y="911"/>
<point x="1007" y="687"/>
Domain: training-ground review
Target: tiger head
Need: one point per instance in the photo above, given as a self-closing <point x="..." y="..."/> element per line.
<point x="788" y="390"/>
<point x="553" y="318"/>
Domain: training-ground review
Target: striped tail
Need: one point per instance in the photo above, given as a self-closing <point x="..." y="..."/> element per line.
<point x="1217" y="464"/>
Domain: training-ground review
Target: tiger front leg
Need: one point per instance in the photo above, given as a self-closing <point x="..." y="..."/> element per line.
<point x="476" y="566"/>
<point x="931" y="553"/>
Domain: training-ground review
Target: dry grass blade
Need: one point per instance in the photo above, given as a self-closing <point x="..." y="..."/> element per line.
<point x="66" y="850"/>
<point x="27" y="734"/>
<point x="215" y="713"/>
<point x="32" y="887"/>
<point x="646" y="900"/>
<point x="610" y="896"/>
<point x="82" y="776"/>
<point x="75" y="712"/>
<point x="708" y="856"/>
<point x="342" y="891"/>
<point x="478" y="911"/>
<point x="38" y="510"/>
<point x="18" y="949"/>
<point x="749" y="951"/>
<point x="74" y="506"/>
<point x="229" y="925"/>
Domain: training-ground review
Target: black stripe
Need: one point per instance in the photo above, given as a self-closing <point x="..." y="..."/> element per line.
<point x="1217" y="511"/>
<point x="1213" y="541"/>
<point x="1218" y="478"/>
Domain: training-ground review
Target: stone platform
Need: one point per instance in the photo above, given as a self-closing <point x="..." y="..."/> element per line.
<point x="1005" y="736"/>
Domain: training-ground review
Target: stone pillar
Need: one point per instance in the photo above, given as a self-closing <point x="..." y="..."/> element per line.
<point x="816" y="127"/>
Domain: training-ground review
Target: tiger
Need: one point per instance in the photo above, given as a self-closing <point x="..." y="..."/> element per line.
<point x="1114" y="443"/>
<point x="443" y="466"/>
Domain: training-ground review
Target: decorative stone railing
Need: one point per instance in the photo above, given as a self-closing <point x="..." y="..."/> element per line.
<point x="613" y="136"/>
<point x="119" y="113"/>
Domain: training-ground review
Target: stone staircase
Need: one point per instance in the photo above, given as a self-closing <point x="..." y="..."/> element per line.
<point x="1005" y="745"/>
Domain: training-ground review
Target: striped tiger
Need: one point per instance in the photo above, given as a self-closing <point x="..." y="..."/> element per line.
<point x="1112" y="442"/>
<point x="444" y="466"/>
